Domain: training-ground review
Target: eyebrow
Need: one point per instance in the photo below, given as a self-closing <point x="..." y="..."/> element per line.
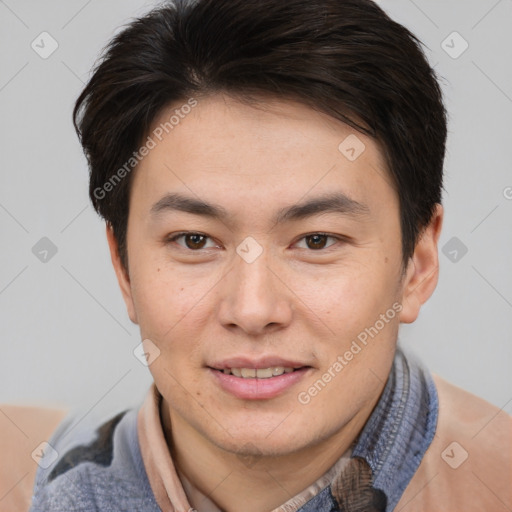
<point x="338" y="203"/>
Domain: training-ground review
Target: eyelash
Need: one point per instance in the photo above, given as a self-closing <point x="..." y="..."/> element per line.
<point x="175" y="237"/>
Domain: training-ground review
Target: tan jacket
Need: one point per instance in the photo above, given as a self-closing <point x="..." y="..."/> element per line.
<point x="446" y="480"/>
<point x="468" y="466"/>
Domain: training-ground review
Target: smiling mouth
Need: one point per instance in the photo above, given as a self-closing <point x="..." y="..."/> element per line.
<point x="259" y="373"/>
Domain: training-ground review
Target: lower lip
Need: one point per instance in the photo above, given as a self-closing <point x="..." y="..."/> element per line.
<point x="258" y="389"/>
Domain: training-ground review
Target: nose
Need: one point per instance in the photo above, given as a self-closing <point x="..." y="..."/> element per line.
<point x="255" y="297"/>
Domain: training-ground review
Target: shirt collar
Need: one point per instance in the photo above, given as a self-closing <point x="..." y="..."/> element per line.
<point x="401" y="427"/>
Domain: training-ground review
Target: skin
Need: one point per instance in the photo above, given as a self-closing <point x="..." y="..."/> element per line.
<point x="294" y="301"/>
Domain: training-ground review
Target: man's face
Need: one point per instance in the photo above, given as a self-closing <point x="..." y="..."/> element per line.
<point x="298" y="292"/>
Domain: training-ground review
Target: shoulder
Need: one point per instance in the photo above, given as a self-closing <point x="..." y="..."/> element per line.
<point x="468" y="465"/>
<point x="461" y="410"/>
<point x="22" y="430"/>
<point x="96" y="465"/>
<point x="481" y="429"/>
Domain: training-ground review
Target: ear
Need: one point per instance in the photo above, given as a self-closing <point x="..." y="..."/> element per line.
<point x="122" y="274"/>
<point x="422" y="270"/>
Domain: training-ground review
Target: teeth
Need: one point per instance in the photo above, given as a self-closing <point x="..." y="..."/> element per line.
<point x="260" y="373"/>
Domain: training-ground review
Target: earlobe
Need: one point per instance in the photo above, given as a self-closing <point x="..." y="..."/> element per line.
<point x="423" y="270"/>
<point x="121" y="273"/>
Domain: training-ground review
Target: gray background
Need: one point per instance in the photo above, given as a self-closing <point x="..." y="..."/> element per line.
<point x="65" y="336"/>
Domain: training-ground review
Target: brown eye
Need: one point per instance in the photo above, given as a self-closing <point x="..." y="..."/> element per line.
<point x="316" y="241"/>
<point x="195" y="241"/>
<point x="192" y="241"/>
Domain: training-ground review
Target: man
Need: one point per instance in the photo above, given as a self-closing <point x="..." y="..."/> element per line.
<point x="270" y="175"/>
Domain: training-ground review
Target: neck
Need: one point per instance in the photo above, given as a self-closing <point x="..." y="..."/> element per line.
<point x="247" y="481"/>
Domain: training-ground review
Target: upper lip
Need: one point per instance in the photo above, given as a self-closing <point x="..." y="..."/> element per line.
<point x="263" y="362"/>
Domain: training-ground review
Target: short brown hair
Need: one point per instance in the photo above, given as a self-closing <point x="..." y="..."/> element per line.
<point x="345" y="58"/>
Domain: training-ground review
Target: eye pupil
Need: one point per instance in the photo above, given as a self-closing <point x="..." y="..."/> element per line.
<point x="196" y="241"/>
<point x="318" y="241"/>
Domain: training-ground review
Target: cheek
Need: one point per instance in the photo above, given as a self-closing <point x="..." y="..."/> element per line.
<point x="169" y="300"/>
<point x="347" y="297"/>
<point x="156" y="297"/>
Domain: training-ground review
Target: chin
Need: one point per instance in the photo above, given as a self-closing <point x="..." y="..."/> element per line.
<point x="248" y="446"/>
<point x="274" y="437"/>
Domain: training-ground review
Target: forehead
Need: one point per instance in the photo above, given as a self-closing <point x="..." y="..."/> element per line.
<point x="275" y="151"/>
